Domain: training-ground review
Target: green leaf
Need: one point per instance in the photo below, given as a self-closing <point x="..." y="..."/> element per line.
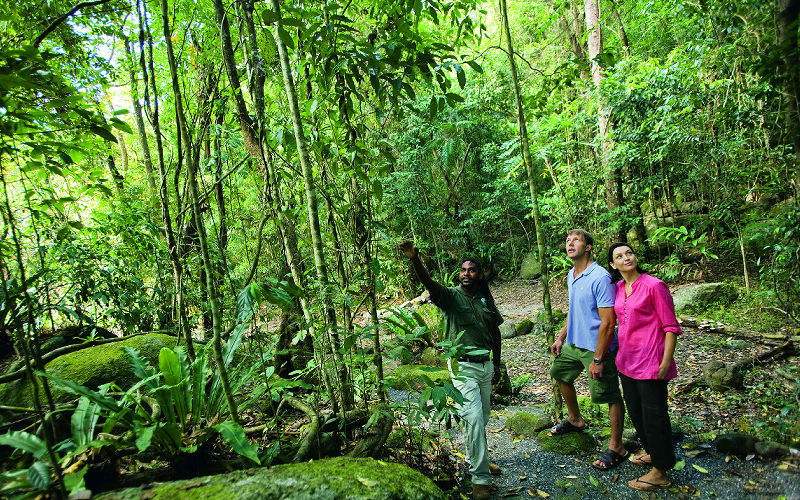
<point x="103" y="132"/>
<point x="474" y="65"/>
<point x="433" y="107"/>
<point x="169" y="366"/>
<point x="144" y="436"/>
<point x="24" y="441"/>
<point x="234" y="435"/>
<point x="680" y="465"/>
<point x="285" y="37"/>
<point x="74" y="482"/>
<point x="269" y="16"/>
<point x="245" y="304"/>
<point x="39" y="475"/>
<point x="594" y="481"/>
<point x="701" y="469"/>
<point x="121" y="126"/>
<point x="462" y="79"/>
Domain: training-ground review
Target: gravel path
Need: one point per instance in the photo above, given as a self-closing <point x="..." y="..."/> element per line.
<point x="530" y="472"/>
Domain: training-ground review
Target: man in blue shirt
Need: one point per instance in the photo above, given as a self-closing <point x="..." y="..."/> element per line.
<point x="587" y="342"/>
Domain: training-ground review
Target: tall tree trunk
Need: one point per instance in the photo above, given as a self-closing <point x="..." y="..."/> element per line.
<point x="613" y="182"/>
<point x="148" y="70"/>
<point x="137" y="114"/>
<point x="311" y="199"/>
<point x="623" y="35"/>
<point x="118" y="179"/>
<point x="218" y="187"/>
<point x="788" y="40"/>
<point x="194" y="194"/>
<point x="284" y="220"/>
<point x="573" y="30"/>
<point x="534" y="193"/>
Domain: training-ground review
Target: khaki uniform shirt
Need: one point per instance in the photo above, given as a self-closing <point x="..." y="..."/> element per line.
<point x="471" y="314"/>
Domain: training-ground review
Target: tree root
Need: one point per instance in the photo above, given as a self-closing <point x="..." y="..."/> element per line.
<point x="376" y="433"/>
<point x="312" y="434"/>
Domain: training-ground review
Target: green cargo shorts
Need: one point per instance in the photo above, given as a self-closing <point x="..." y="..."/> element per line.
<point x="568" y="366"/>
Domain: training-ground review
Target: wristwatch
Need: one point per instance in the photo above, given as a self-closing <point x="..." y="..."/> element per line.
<point x="597" y="361"/>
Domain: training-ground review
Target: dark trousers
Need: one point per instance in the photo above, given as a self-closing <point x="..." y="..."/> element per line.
<point x="646" y="401"/>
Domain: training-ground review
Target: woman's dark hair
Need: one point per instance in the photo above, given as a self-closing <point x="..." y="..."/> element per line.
<point x="615" y="274"/>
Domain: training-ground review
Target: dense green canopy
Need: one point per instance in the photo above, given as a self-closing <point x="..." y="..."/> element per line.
<point x="176" y="165"/>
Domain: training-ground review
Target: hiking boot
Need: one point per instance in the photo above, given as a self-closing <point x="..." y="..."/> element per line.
<point x="494" y="469"/>
<point x="481" y="492"/>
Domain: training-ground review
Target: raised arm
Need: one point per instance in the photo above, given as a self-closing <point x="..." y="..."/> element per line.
<point x="412" y="252"/>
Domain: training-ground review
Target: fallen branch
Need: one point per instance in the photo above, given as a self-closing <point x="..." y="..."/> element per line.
<point x="782" y="351"/>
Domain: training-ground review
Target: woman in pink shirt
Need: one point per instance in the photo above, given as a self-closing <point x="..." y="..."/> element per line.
<point x="648" y="331"/>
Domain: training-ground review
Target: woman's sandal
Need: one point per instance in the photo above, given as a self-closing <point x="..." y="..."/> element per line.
<point x="642" y="485"/>
<point x="609" y="459"/>
<point x="639" y="459"/>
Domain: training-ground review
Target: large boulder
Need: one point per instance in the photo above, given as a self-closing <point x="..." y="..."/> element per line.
<point x="720" y="376"/>
<point x="703" y="296"/>
<point x="333" y="478"/>
<point x="531" y="268"/>
<point x="508" y="329"/>
<point x="91" y="367"/>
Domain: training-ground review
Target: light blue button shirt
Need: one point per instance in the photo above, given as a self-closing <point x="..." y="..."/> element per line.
<point x="588" y="291"/>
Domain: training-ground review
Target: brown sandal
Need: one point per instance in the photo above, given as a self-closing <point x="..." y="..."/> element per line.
<point x="639" y="459"/>
<point x="640" y="484"/>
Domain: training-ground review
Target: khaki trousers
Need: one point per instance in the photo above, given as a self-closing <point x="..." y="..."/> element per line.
<point x="474" y="382"/>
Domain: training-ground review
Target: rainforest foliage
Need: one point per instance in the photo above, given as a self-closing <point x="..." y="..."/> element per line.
<point x="226" y="170"/>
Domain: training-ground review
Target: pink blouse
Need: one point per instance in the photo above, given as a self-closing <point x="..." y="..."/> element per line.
<point x="644" y="317"/>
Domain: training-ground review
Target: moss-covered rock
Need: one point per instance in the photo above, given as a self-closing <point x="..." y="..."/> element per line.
<point x="528" y="423"/>
<point x="91" y="367"/>
<point x="735" y="443"/>
<point x="409" y="377"/>
<point x="531" y="268"/>
<point x="524" y="327"/>
<point x="334" y="478"/>
<point x="703" y="296"/>
<point x="771" y="449"/>
<point x="721" y="376"/>
<point x="572" y="443"/>
<point x="508" y="330"/>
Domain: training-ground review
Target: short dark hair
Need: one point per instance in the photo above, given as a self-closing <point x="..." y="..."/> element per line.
<point x="474" y="261"/>
<point x="587" y="236"/>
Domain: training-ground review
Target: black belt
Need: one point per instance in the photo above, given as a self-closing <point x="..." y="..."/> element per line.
<point x="474" y="359"/>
